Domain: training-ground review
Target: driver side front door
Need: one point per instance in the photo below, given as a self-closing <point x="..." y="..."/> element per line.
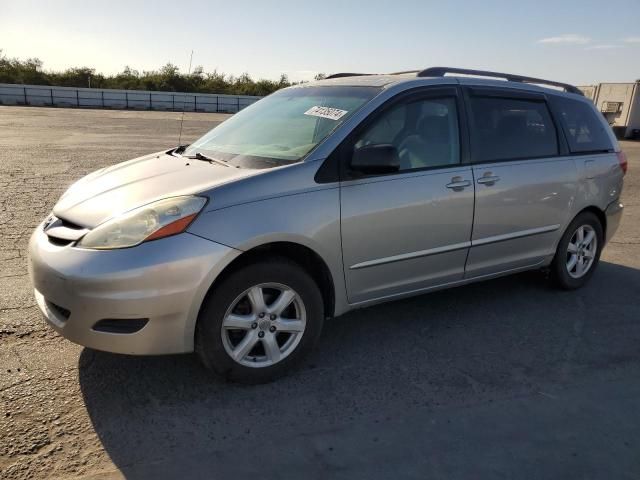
<point x="410" y="230"/>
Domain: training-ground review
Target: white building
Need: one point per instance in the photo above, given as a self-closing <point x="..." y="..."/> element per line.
<point x="620" y="104"/>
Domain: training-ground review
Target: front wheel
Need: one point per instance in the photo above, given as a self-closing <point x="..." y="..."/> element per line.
<point x="260" y="321"/>
<point x="578" y="252"/>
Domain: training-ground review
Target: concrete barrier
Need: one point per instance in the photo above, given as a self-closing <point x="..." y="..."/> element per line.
<point x="45" y="96"/>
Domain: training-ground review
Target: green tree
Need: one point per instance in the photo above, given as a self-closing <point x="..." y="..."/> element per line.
<point x="167" y="78"/>
<point x="128" y="79"/>
<point x="77" y="77"/>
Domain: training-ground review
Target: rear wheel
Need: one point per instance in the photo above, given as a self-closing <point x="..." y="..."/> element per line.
<point x="260" y="321"/>
<point x="578" y="252"/>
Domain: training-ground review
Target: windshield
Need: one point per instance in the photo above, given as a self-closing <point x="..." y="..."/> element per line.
<point x="283" y="127"/>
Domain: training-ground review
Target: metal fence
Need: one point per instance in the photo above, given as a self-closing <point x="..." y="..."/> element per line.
<point x="44" y="96"/>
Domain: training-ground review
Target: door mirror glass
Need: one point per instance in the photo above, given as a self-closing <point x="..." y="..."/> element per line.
<point x="375" y="159"/>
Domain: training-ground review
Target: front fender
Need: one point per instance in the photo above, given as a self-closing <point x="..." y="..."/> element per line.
<point x="311" y="219"/>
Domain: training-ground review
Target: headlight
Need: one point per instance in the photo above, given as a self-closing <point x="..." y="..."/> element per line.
<point x="149" y="222"/>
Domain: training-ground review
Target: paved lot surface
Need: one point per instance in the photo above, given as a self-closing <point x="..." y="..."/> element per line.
<point x="505" y="379"/>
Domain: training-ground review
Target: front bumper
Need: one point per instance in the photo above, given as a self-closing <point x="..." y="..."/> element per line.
<point x="163" y="281"/>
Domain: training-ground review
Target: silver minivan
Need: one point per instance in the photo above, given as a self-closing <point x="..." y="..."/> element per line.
<point x="322" y="198"/>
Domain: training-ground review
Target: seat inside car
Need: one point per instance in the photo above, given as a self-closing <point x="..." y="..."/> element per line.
<point x="511" y="132"/>
<point x="429" y="145"/>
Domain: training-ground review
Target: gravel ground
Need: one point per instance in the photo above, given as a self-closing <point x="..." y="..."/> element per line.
<point x="508" y="378"/>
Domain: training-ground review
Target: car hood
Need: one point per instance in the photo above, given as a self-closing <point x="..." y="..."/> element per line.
<point x="106" y="193"/>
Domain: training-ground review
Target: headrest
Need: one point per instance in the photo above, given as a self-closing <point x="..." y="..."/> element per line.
<point x="513" y="125"/>
<point x="434" y="127"/>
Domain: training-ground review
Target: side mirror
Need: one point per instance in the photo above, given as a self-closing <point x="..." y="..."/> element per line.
<point x="372" y="159"/>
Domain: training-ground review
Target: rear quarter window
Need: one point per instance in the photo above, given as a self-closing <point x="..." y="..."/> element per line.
<point x="585" y="132"/>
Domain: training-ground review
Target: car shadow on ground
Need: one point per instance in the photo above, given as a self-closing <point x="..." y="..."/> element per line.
<point x="509" y="337"/>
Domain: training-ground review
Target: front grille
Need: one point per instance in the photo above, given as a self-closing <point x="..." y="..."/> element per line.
<point x="71" y="225"/>
<point x="59" y="242"/>
<point x="53" y="225"/>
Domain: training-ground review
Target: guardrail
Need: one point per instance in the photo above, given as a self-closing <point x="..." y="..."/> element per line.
<point x="45" y="96"/>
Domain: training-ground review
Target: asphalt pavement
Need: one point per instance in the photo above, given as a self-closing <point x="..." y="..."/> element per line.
<point x="503" y="379"/>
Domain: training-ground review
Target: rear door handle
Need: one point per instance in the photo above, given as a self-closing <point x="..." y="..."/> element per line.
<point x="457" y="184"/>
<point x="488" y="179"/>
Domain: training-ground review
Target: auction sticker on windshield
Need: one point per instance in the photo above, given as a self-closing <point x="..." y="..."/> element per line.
<point x="326" y="112"/>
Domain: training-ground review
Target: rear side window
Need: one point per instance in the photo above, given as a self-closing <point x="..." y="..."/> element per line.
<point x="585" y="132"/>
<point x="509" y="128"/>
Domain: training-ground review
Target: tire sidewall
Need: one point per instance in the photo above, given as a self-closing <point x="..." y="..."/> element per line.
<point x="209" y="345"/>
<point x="561" y="274"/>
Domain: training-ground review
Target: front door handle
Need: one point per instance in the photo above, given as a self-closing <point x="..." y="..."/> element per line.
<point x="488" y="179"/>
<point x="457" y="184"/>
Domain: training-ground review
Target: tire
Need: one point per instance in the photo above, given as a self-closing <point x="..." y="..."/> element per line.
<point x="235" y="302"/>
<point x="570" y="279"/>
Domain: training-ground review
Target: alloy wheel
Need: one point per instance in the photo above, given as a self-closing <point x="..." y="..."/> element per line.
<point x="581" y="251"/>
<point x="263" y="325"/>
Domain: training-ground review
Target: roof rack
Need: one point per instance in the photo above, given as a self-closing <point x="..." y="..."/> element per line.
<point x="341" y="75"/>
<point x="441" y="71"/>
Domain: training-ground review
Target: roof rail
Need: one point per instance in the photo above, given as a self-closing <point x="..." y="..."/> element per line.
<point x="403" y="72"/>
<point x="441" y="71"/>
<point x="341" y="75"/>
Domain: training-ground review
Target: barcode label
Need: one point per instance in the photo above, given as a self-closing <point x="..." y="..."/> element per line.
<point x="326" y="112"/>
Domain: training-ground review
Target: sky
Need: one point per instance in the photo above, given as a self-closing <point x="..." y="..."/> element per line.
<point x="580" y="42"/>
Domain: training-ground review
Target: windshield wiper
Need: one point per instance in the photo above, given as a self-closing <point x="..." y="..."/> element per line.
<point x="200" y="156"/>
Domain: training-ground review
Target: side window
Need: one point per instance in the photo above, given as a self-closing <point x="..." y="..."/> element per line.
<point x="508" y="128"/>
<point x="584" y="130"/>
<point x="425" y="133"/>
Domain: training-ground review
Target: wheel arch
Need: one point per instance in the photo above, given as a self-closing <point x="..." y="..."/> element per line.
<point x="302" y="255"/>
<point x="558" y="268"/>
<point x="598" y="213"/>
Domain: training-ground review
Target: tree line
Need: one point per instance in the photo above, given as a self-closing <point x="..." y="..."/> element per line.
<point x="167" y="78"/>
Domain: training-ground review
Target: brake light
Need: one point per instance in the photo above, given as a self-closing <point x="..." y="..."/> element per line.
<point x="622" y="159"/>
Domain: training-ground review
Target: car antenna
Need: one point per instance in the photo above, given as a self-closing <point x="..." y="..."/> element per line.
<point x="184" y="102"/>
